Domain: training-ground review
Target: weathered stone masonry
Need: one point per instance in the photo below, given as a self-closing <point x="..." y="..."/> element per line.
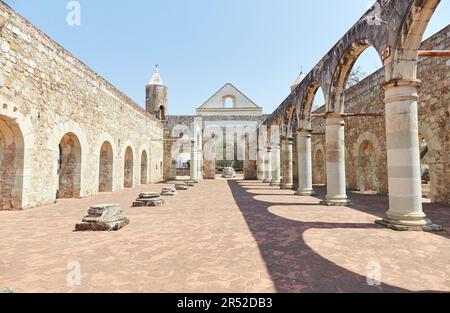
<point x="55" y="116"/>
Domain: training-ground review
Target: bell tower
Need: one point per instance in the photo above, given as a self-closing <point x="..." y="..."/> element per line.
<point x="156" y="94"/>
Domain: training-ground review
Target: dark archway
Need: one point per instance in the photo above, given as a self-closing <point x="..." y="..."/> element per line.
<point x="144" y="168"/>
<point x="106" y="168"/>
<point x="128" y="180"/>
<point x="69" y="167"/>
<point x="11" y="164"/>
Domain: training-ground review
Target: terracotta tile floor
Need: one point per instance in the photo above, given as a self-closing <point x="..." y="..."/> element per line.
<point x="223" y="236"/>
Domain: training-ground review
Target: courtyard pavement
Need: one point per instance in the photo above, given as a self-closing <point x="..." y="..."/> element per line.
<point x="224" y="236"/>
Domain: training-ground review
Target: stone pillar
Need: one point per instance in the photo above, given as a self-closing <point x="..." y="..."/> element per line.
<point x="268" y="166"/>
<point x="335" y="143"/>
<point x="200" y="164"/>
<point x="173" y="170"/>
<point x="194" y="163"/>
<point x="403" y="155"/>
<point x="276" y="173"/>
<point x="260" y="165"/>
<point x="304" y="163"/>
<point x="287" y="181"/>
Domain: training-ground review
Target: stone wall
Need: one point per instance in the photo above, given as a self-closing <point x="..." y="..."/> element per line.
<point x="45" y="94"/>
<point x="365" y="137"/>
<point x="172" y="121"/>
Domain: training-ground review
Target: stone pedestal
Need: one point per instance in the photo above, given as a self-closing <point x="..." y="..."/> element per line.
<point x="105" y="217"/>
<point x="335" y="141"/>
<point x="148" y="199"/>
<point x="169" y="192"/>
<point x="268" y="166"/>
<point x="305" y="186"/>
<point x="287" y="181"/>
<point x="403" y="154"/>
<point x="276" y="173"/>
<point x="181" y="186"/>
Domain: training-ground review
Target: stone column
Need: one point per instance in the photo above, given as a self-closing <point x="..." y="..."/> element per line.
<point x="335" y="143"/>
<point x="305" y="186"/>
<point x="268" y="166"/>
<point x="194" y="163"/>
<point x="200" y="164"/>
<point x="403" y="155"/>
<point x="287" y="181"/>
<point x="276" y="173"/>
<point x="260" y="165"/>
<point x="173" y="170"/>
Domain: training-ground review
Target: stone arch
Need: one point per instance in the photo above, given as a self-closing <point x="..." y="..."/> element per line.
<point x="319" y="166"/>
<point x="11" y="164"/>
<point x="128" y="167"/>
<point x="367" y="156"/>
<point x="436" y="162"/>
<point x="69" y="170"/>
<point x="409" y="38"/>
<point x="292" y="120"/>
<point x="53" y="144"/>
<point x="106" y="167"/>
<point x="144" y="165"/>
<point x="307" y="100"/>
<point x="15" y="158"/>
<point x="101" y="141"/>
<point x="342" y="72"/>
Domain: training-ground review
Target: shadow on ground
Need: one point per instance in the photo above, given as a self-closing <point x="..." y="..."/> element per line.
<point x="291" y="263"/>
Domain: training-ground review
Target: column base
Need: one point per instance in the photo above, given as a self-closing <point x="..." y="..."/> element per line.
<point x="276" y="184"/>
<point x="286" y="187"/>
<point x="422" y="225"/>
<point x="267" y="181"/>
<point x="344" y="202"/>
<point x="305" y="193"/>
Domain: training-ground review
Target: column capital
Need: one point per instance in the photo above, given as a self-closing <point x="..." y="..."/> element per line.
<point x="330" y="115"/>
<point x="402" y="83"/>
<point x="401" y="90"/>
<point x="304" y="132"/>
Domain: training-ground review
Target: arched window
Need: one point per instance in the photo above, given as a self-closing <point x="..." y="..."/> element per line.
<point x="229" y="102"/>
<point x="162" y="113"/>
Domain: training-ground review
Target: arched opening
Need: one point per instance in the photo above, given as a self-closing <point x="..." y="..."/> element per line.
<point x="183" y="164"/>
<point x="162" y="113"/>
<point x="356" y="64"/>
<point x="229" y="102"/>
<point x="367" y="63"/>
<point x="69" y="170"/>
<point x="105" y="182"/>
<point x="128" y="168"/>
<point x="425" y="167"/>
<point x="366" y="165"/>
<point x="144" y="168"/>
<point x="319" y="172"/>
<point x="319" y="100"/>
<point x="11" y="164"/>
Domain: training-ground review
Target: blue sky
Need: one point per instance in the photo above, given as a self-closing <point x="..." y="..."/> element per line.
<point x="258" y="45"/>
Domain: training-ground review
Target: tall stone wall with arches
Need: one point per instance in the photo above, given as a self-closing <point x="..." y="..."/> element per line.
<point x="365" y="137"/>
<point x="56" y="115"/>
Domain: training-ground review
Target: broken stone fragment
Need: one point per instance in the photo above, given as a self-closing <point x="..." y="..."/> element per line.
<point x="169" y="191"/>
<point x="149" y="195"/>
<point x="141" y="202"/>
<point x="181" y="186"/>
<point x="7" y="290"/>
<point x="104" y="217"/>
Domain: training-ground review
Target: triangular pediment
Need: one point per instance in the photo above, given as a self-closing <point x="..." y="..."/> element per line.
<point x="229" y="91"/>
